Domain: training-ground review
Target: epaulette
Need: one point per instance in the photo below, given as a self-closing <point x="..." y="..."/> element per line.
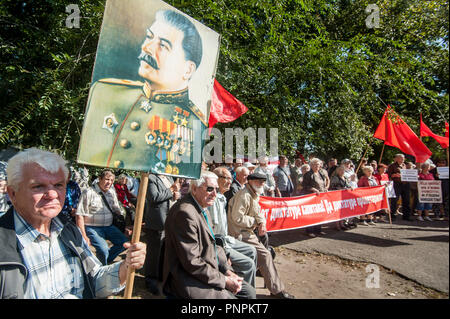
<point x="122" y="82"/>
<point x="197" y="112"/>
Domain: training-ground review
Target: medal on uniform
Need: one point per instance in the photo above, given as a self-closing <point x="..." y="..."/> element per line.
<point x="159" y="135"/>
<point x="150" y="137"/>
<point x="181" y="116"/>
<point x="146" y="106"/>
<point x="110" y="123"/>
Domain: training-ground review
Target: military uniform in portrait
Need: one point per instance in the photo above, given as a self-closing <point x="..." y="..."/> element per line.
<point x="133" y="127"/>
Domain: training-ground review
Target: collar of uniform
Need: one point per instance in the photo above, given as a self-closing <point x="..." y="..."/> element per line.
<point x="180" y="97"/>
<point x="26" y="234"/>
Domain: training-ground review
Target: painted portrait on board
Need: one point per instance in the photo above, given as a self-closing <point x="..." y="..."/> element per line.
<point x="151" y="87"/>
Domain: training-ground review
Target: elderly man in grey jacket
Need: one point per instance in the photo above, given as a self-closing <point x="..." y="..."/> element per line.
<point x="242" y="255"/>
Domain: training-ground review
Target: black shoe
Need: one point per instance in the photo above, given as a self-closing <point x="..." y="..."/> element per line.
<point x="408" y="219"/>
<point x="282" y="295"/>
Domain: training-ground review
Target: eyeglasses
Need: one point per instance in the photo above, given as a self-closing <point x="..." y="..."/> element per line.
<point x="227" y="178"/>
<point x="209" y="189"/>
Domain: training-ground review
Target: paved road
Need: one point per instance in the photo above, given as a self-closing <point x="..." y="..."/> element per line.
<point x="417" y="250"/>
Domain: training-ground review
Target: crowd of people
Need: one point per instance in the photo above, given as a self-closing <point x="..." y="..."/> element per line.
<point x="205" y="238"/>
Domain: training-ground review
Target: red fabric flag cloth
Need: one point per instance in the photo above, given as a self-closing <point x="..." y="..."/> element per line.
<point x="446" y="129"/>
<point x="425" y="131"/>
<point x="225" y="107"/>
<point x="395" y="132"/>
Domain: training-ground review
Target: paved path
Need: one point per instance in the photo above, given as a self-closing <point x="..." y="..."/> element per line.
<point x="416" y="250"/>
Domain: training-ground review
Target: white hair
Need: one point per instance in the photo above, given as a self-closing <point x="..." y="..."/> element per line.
<point x="315" y="161"/>
<point x="240" y="169"/>
<point x="202" y="180"/>
<point x="49" y="161"/>
<point x="367" y="168"/>
<point x="305" y="166"/>
<point x="264" y="159"/>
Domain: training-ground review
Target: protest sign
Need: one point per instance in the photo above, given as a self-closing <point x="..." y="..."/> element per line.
<point x="309" y="210"/>
<point x="152" y="82"/>
<point x="147" y="108"/>
<point x="443" y="172"/>
<point x="389" y="188"/>
<point x="429" y="191"/>
<point x="409" y="175"/>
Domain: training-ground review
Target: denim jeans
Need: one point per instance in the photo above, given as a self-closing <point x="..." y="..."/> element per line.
<point x="98" y="236"/>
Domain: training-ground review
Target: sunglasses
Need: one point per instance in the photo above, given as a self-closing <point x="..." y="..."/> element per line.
<point x="209" y="189"/>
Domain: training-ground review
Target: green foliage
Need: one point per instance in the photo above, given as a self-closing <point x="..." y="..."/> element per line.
<point x="310" y="68"/>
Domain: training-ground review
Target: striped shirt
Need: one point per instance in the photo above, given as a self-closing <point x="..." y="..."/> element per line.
<point x="53" y="271"/>
<point x="91" y="206"/>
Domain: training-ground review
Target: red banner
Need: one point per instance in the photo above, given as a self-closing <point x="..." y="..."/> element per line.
<point x="297" y="212"/>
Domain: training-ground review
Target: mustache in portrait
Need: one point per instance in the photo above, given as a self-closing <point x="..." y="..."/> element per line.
<point x="149" y="60"/>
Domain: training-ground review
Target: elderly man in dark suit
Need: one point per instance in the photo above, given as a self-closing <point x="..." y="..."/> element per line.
<point x="194" y="266"/>
<point x="162" y="192"/>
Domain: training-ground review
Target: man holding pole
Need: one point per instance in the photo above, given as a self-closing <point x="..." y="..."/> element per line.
<point x="44" y="255"/>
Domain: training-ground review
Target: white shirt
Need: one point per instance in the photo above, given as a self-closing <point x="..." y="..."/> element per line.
<point x="219" y="219"/>
<point x="92" y="207"/>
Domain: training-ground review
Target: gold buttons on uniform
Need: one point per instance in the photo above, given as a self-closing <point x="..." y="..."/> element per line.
<point x="135" y="126"/>
<point x="124" y="143"/>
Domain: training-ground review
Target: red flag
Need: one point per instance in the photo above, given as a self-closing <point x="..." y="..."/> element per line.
<point x="225" y="107"/>
<point x="446" y="129"/>
<point x="425" y="131"/>
<point x="395" y="132"/>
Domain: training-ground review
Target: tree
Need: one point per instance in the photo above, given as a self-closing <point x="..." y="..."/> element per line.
<point x="313" y="69"/>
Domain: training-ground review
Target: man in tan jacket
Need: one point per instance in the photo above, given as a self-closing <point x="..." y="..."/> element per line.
<point x="243" y="218"/>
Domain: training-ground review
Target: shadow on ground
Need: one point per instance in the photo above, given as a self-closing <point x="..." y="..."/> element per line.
<point x="291" y="236"/>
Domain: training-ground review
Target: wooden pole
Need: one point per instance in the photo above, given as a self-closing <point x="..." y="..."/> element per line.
<point x="382" y="151"/>
<point x="136" y="230"/>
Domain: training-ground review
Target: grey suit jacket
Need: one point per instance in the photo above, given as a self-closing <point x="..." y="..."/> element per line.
<point x="190" y="264"/>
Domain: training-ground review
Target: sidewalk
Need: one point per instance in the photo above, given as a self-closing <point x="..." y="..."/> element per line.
<point x="416" y="250"/>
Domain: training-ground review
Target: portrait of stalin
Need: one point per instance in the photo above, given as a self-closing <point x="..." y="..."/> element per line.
<point x="149" y="125"/>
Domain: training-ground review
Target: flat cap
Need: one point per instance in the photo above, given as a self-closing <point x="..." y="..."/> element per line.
<point x="256" y="176"/>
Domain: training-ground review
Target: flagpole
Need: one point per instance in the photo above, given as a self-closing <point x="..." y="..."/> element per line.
<point x="382" y="151"/>
<point x="136" y="230"/>
<point x="360" y="162"/>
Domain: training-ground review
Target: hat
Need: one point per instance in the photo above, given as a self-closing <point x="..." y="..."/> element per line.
<point x="256" y="176"/>
<point x="248" y="165"/>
